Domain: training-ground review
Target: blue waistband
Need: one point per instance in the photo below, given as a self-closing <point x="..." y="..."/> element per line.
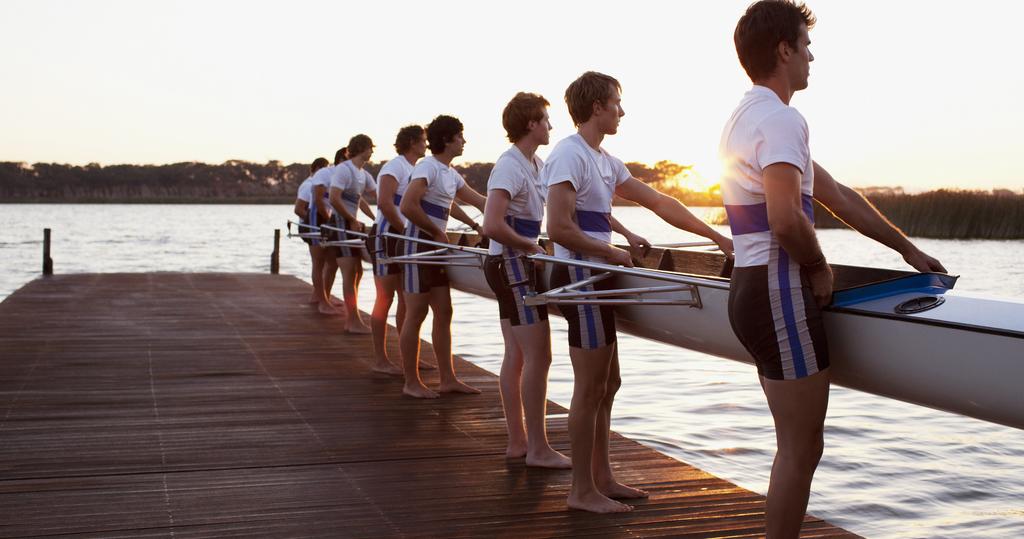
<point x="750" y="218"/>
<point x="351" y="197"/>
<point x="398" y="199"/>
<point x="594" y="221"/>
<point x="524" y="227"/>
<point x="433" y="210"/>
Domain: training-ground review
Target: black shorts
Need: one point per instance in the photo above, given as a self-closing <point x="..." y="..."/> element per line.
<point x="780" y="325"/>
<point x="381" y="246"/>
<point x="342" y="251"/>
<point x="305" y="230"/>
<point x="511" y="277"/>
<point x="420" y="278"/>
<point x="590" y="326"/>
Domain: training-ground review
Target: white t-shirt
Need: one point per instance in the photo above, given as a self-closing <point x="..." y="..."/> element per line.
<point x="594" y="175"/>
<point x="401" y="170"/>
<point x="354" y="183"/>
<point x="322" y="177"/>
<point x="305" y="190"/>
<point x="443" y="182"/>
<point x="520" y="178"/>
<point x="762" y="131"/>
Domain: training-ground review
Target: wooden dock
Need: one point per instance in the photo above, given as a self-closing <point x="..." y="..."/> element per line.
<point x="188" y="405"/>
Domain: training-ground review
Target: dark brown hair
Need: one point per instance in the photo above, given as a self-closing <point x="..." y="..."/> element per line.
<point x="592" y="87"/>
<point x="318" y="163"/>
<point x="760" y="30"/>
<point x="341" y="156"/>
<point x="406" y="137"/>
<point x="523" y="109"/>
<point x="359" y="144"/>
<point x="441" y="131"/>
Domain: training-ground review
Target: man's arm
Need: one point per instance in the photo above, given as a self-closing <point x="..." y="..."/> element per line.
<point x="412" y="210"/>
<point x="496" y="228"/>
<point x="386" y="199"/>
<point x="671" y="211"/>
<point x="365" y="206"/>
<point x="793" y="229"/>
<point x="460" y="214"/>
<point x="339" y="206"/>
<point x="319" y="200"/>
<point x="470" y="196"/>
<point x="562" y="229"/>
<point x="301" y="209"/>
<point x="856" y="211"/>
<point x="638" y="246"/>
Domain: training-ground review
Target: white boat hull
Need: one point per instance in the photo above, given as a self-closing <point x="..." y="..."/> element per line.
<point x="977" y="372"/>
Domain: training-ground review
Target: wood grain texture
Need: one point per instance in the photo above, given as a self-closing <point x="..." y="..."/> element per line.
<point x="198" y="405"/>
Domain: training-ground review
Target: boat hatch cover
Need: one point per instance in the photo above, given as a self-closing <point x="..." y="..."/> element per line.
<point x="925" y="284"/>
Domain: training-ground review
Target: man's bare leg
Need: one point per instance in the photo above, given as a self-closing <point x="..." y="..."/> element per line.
<point x="416" y="306"/>
<point x="320" y="257"/>
<point x="603" y="476"/>
<point x="534" y="341"/>
<point x="330" y="272"/>
<point x="509" y="384"/>
<point x="317" y="275"/>
<point x="798" y="408"/>
<point x="441" y="306"/>
<point x="590" y="381"/>
<point x="386" y="286"/>
<point x="349" y="287"/>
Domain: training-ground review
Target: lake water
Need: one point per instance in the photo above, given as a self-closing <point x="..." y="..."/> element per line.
<point x="890" y="469"/>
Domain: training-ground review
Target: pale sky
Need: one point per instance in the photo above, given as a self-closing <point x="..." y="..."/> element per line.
<point x="921" y="94"/>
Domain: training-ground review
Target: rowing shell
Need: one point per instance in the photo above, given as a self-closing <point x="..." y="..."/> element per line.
<point x="896" y="334"/>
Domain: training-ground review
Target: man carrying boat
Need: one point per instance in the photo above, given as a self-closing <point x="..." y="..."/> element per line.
<point x="303" y="209"/>
<point x="514" y="210"/>
<point x="781" y="278"/>
<point x="392" y="180"/>
<point x="348" y="185"/>
<point x="582" y="179"/>
<point x="427" y="202"/>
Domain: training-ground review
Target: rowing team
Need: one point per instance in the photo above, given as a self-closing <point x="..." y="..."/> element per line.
<point x="780" y="282"/>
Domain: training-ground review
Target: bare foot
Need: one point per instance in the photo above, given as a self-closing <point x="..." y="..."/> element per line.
<point x="549" y="458"/>
<point x="424" y="366"/>
<point x="419" y="391"/>
<point x="595" y="502"/>
<point x="337" y="302"/>
<point x="618" y="490"/>
<point x="515" y="450"/>
<point x="357" y="328"/>
<point x="458" y="387"/>
<point x="323" y="308"/>
<point x="386" y="367"/>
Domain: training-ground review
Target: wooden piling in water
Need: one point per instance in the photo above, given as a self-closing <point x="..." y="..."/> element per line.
<point x="275" y="257"/>
<point x="47" y="261"/>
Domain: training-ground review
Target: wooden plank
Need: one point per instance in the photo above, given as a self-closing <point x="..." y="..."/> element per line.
<point x="180" y="405"/>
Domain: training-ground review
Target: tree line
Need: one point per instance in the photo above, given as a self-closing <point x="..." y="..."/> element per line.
<point x="229" y="182"/>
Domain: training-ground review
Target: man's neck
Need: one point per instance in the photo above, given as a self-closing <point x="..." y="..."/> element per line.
<point x="590" y="133"/>
<point x="780" y="85"/>
<point x="444" y="157"/>
<point x="411" y="158"/>
<point x="358" y="162"/>
<point x="528" y="147"/>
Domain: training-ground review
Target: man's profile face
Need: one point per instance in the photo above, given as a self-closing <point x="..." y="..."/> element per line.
<point x="800" y="61"/>
<point x="541" y="131"/>
<point x="419" y="147"/>
<point x="609" y="113"/>
<point x="456" y="145"/>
